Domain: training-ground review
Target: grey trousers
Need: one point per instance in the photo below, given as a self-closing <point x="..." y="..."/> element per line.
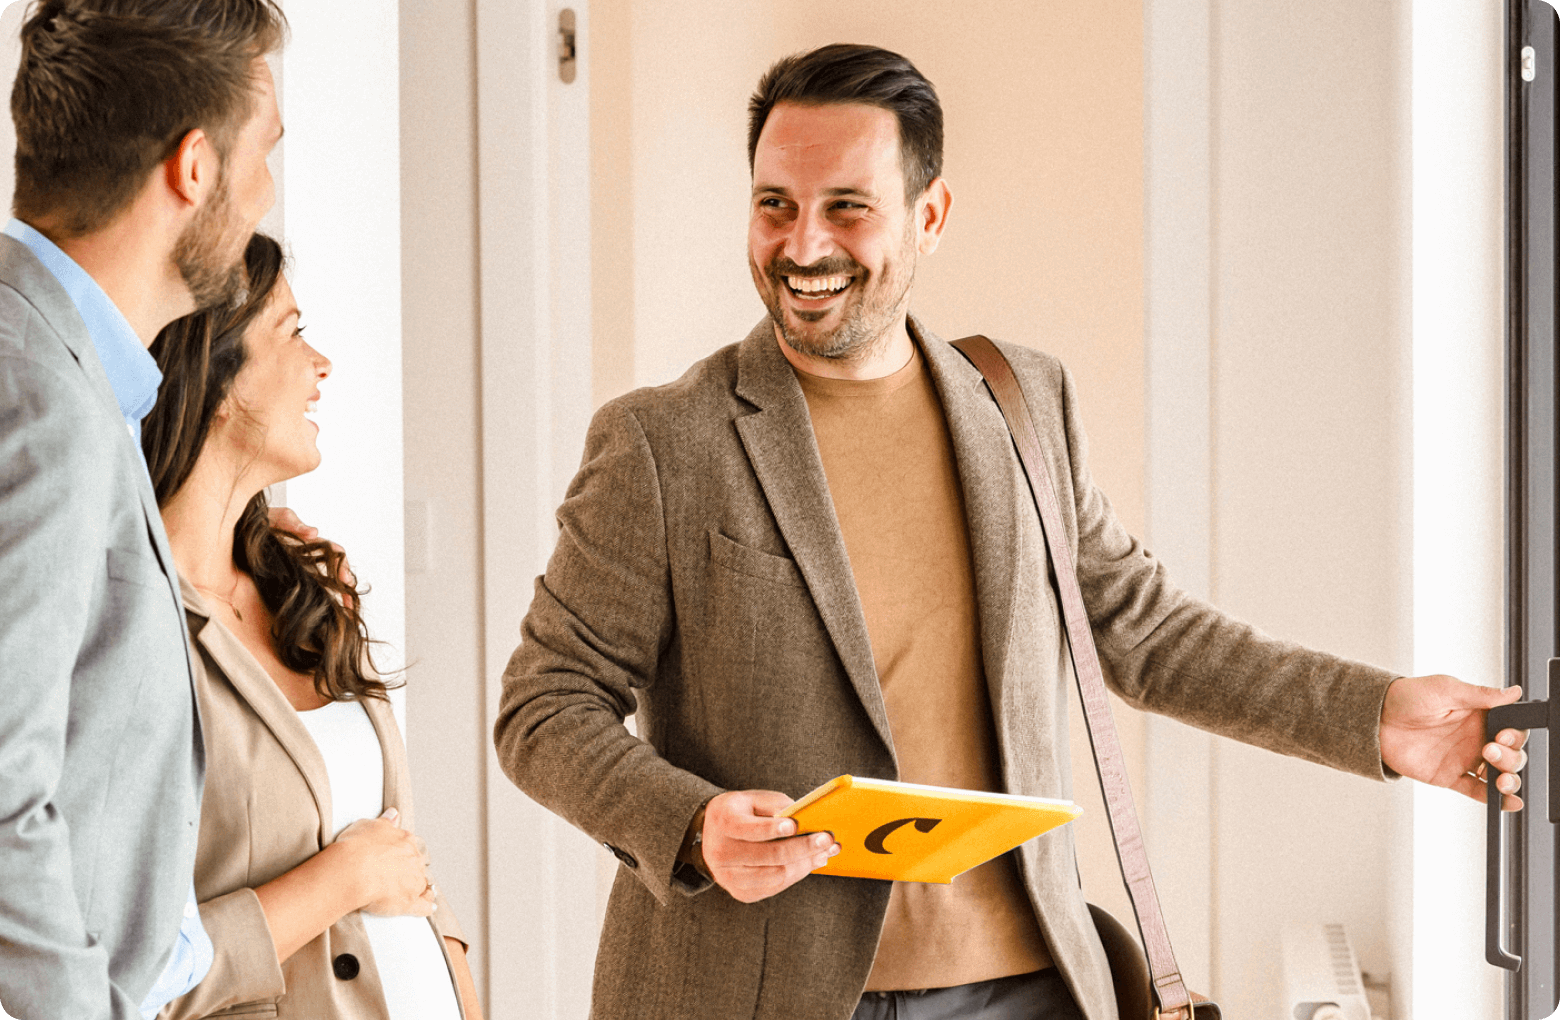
<point x="1042" y="995"/>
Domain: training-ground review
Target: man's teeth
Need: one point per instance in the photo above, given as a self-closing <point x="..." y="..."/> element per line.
<point x="311" y="407"/>
<point x="817" y="284"/>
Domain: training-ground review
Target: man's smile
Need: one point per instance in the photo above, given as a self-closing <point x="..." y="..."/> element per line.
<point x="816" y="288"/>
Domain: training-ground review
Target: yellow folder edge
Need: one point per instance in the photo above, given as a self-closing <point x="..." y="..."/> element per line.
<point x="907" y="832"/>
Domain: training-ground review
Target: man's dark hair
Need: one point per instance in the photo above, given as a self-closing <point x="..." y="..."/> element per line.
<point x="848" y="73"/>
<point x="107" y="89"/>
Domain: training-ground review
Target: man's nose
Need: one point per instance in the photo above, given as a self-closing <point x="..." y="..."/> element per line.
<point x="809" y="239"/>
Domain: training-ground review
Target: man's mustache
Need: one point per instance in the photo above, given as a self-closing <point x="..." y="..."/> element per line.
<point x="833" y="265"/>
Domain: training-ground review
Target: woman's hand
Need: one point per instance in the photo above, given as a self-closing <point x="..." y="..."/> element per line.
<point x="386" y="865"/>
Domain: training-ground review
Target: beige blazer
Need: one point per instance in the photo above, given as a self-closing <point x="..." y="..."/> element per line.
<point x="700" y="581"/>
<point x="266" y="810"/>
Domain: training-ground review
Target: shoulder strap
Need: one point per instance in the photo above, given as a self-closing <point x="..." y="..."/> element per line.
<point x="1169" y="988"/>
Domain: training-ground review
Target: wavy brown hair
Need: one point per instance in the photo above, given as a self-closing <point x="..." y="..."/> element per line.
<point x="316" y="626"/>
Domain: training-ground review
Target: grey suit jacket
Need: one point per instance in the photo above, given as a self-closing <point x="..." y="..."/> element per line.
<point x="700" y="580"/>
<point x="100" y="754"/>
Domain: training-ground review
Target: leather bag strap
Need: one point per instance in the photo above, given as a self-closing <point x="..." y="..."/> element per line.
<point x="1169" y="987"/>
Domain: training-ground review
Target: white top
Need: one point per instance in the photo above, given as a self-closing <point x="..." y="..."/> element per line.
<point x="417" y="982"/>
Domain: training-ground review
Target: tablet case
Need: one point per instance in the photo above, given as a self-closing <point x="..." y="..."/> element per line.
<point x="906" y="832"/>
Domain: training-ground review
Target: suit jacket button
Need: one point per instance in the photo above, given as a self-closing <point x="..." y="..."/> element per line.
<point x="622" y="855"/>
<point x="346" y="966"/>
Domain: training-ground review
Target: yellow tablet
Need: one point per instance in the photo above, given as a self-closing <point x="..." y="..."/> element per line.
<point x="912" y="833"/>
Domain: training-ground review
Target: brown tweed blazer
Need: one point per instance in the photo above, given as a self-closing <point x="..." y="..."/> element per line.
<point x="266" y="810"/>
<point x="700" y="581"/>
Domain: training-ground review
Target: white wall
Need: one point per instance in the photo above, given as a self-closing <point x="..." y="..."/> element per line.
<point x="1324" y="408"/>
<point x="338" y="210"/>
<point x="532" y="159"/>
<point x="1458" y="472"/>
<point x="497" y="389"/>
<point x="342" y="222"/>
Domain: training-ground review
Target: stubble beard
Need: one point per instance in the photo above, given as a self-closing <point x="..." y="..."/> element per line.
<point x="207" y="256"/>
<point x="866" y="324"/>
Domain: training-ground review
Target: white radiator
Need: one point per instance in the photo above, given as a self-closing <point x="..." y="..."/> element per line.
<point x="1321" y="977"/>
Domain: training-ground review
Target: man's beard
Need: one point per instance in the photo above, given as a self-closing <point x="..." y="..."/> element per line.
<point x="214" y="274"/>
<point x="865" y="322"/>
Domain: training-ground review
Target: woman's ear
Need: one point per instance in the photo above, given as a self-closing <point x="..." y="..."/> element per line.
<point x="225" y="411"/>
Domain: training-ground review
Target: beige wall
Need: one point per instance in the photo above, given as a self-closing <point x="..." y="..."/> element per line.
<point x="1043" y="105"/>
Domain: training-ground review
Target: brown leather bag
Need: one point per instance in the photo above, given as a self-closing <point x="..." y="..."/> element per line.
<point x="1147" y="982"/>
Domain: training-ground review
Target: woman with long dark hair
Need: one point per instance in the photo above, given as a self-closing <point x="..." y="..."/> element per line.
<point x="311" y="883"/>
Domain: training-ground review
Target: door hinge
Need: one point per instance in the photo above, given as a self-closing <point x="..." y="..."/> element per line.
<point x="568" y="49"/>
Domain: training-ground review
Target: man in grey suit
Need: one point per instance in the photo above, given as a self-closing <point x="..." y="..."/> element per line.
<point x="142" y="132"/>
<point x="815" y="554"/>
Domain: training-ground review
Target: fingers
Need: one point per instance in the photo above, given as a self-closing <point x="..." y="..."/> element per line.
<point x="752" y="853"/>
<point x="283" y="517"/>
<point x="1512" y="738"/>
<point x="426" y="901"/>
<point x="1476" y="789"/>
<point x="1506" y="758"/>
<point x="747" y="815"/>
<point x="797" y="858"/>
<point x="777" y="853"/>
<point x="1506" y="696"/>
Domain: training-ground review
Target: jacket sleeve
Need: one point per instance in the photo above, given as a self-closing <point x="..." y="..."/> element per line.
<point x="594" y="635"/>
<point x="52" y="504"/>
<point x="244" y="967"/>
<point x="1176" y="655"/>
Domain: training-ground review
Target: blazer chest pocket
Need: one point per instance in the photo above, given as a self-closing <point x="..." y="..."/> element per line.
<point x="752" y="563"/>
<point x="246" y="1011"/>
<point x="134" y="568"/>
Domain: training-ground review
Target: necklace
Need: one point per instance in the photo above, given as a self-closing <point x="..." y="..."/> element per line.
<point x="228" y="598"/>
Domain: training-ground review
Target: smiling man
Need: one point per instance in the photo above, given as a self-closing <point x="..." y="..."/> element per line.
<point x="815" y="554"/>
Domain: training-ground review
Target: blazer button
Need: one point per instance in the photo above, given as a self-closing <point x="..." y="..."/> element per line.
<point x="346" y="966"/>
<point x="622" y="855"/>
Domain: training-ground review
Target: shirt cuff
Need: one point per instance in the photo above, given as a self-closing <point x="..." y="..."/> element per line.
<point x="187" y="965"/>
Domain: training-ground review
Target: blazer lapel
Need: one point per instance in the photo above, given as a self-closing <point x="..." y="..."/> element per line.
<point x="21" y="270"/>
<point x="396" y="780"/>
<point x="781" y="447"/>
<point x="257" y="688"/>
<point x="994" y="496"/>
<point x="159" y="537"/>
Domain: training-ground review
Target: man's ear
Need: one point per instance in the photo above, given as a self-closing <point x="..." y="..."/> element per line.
<point x="931" y="215"/>
<point x="191" y="172"/>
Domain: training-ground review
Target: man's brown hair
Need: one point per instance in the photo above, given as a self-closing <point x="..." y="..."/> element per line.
<point x="107" y="89"/>
<point x="849" y="73"/>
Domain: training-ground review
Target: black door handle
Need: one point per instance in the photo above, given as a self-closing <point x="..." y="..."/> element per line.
<point x="1524" y="715"/>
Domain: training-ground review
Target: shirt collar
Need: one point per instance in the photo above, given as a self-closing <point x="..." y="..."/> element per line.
<point x="131" y="371"/>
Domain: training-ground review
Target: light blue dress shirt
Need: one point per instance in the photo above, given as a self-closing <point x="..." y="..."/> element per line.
<point x="134" y="376"/>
